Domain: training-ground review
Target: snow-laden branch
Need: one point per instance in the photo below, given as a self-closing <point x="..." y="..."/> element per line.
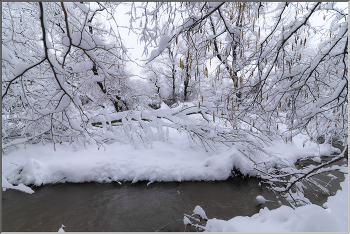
<point x="205" y="133"/>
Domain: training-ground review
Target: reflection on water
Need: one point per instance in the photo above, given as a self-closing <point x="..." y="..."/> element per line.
<point x="132" y="207"/>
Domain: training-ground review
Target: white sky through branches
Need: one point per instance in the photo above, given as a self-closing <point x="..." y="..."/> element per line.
<point x="135" y="49"/>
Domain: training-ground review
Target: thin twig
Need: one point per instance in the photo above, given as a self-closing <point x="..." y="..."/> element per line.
<point x="168" y="224"/>
<point x="59" y="180"/>
<point x="184" y="200"/>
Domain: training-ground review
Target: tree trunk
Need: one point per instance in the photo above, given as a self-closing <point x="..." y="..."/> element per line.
<point x="116" y="105"/>
<point x="186" y="79"/>
<point x="173" y="84"/>
<point x="346" y="153"/>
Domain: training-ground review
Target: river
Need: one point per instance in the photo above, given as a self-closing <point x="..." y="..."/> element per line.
<point x="136" y="207"/>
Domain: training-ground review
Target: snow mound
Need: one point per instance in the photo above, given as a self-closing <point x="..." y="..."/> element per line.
<point x="217" y="225"/>
<point x="20" y="187"/>
<point x="199" y="211"/>
<point x="261" y="200"/>
<point x="165" y="161"/>
<point x="61" y="229"/>
<point x="176" y="159"/>
<point x="186" y="220"/>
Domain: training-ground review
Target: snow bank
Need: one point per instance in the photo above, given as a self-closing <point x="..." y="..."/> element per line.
<point x="174" y="160"/>
<point x="309" y="218"/>
<point x="295" y="150"/>
<point x="165" y="161"/>
<point x="20" y="187"/>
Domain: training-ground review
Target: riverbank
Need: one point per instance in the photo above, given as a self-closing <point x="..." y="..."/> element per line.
<point x="173" y="160"/>
<point x="169" y="161"/>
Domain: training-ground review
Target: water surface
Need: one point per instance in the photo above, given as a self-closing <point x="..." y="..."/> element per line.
<point x="136" y="207"/>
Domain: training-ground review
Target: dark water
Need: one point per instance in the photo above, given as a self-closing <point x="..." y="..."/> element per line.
<point x="336" y="142"/>
<point x="134" y="207"/>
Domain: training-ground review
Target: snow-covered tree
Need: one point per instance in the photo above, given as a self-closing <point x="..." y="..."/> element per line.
<point x="286" y="62"/>
<point x="269" y="54"/>
<point x="55" y="59"/>
<point x="244" y="69"/>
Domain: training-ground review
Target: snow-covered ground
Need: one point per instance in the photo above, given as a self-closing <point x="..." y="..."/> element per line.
<point x="173" y="160"/>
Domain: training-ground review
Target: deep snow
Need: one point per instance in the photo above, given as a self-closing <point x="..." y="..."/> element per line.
<point x="175" y="160"/>
<point x="172" y="160"/>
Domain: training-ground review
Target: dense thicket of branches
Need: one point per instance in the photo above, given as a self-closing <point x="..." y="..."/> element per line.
<point x="270" y="64"/>
<point x="59" y="62"/>
<point x="245" y="68"/>
<point x="281" y="67"/>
